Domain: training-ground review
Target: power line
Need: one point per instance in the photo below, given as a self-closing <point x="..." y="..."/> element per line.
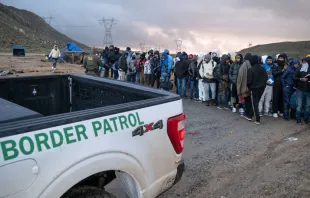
<point x="48" y="19"/>
<point x="178" y="42"/>
<point x="108" y="24"/>
<point x="142" y="46"/>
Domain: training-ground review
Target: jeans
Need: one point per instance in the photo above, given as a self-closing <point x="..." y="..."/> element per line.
<point x="131" y="77"/>
<point x="287" y="93"/>
<point x="54" y="62"/>
<point x="182" y="86"/>
<point x="194" y="84"/>
<point x="115" y="74"/>
<point x="303" y="100"/>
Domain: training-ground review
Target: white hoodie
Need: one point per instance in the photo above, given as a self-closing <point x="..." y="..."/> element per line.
<point x="55" y="53"/>
<point x="206" y="69"/>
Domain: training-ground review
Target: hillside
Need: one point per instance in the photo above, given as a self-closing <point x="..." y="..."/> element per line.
<point x="293" y="49"/>
<point x="22" y="27"/>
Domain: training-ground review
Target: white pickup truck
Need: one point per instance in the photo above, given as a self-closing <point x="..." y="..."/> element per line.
<point x="69" y="136"/>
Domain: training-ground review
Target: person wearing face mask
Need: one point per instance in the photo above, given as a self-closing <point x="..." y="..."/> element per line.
<point x="207" y="82"/>
<point x="242" y="88"/>
<point x="155" y="68"/>
<point x="233" y="74"/>
<point x="131" y="76"/>
<point x="140" y="69"/>
<point x="193" y="78"/>
<point x="256" y="82"/>
<point x="109" y="58"/>
<point x="223" y="76"/>
<point x="302" y="78"/>
<point x="55" y="54"/>
<point x="277" y="95"/>
<point x="288" y="86"/>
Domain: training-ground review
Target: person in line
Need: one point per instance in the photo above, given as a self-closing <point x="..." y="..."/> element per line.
<point x="115" y="65"/>
<point x="193" y="76"/>
<point x="177" y="59"/>
<point x="129" y="54"/>
<point x="217" y="60"/>
<point x="302" y="78"/>
<point x="222" y="74"/>
<point x="256" y="82"/>
<point x="155" y="66"/>
<point x="109" y="58"/>
<point x="54" y="54"/>
<point x="277" y="96"/>
<point x="91" y="63"/>
<point x="267" y="95"/>
<point x="165" y="70"/>
<point x="131" y="75"/>
<point x="122" y="67"/>
<point x="140" y="69"/>
<point x="288" y="87"/>
<point x="182" y="75"/>
<point x="148" y="70"/>
<point x="233" y="74"/>
<point x="207" y="82"/>
<point x="242" y="88"/>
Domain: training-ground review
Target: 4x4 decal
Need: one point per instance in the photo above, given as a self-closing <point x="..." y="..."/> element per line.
<point x="140" y="130"/>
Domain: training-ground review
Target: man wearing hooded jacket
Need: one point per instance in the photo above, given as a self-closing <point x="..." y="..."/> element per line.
<point x="222" y="74"/>
<point x="277" y="96"/>
<point x="233" y="74"/>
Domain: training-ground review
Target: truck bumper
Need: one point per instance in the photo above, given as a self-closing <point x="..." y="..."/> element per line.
<point x="180" y="171"/>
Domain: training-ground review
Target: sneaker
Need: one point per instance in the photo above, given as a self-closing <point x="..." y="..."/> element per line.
<point x="196" y="99"/>
<point x="281" y="114"/>
<point x="247" y="118"/>
<point x="266" y="114"/>
<point x="220" y="107"/>
<point x="241" y="111"/>
<point x="257" y="123"/>
<point x="299" y="121"/>
<point x="234" y="110"/>
<point x="207" y="103"/>
<point x="275" y="115"/>
<point x="261" y="115"/>
<point x="227" y="108"/>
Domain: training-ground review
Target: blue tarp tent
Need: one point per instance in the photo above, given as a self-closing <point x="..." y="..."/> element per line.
<point x="19" y="50"/>
<point x="72" y="47"/>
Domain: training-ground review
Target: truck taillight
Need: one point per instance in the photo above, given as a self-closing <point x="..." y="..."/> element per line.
<point x="176" y="132"/>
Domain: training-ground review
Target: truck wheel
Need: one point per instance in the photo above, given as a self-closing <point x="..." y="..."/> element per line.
<point x="87" y="192"/>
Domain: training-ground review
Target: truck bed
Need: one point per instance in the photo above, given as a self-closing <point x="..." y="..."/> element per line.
<point x="63" y="99"/>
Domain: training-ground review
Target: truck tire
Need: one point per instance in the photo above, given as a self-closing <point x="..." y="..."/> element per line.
<point x="87" y="192"/>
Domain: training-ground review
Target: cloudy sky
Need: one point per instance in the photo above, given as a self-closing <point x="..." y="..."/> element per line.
<point x="204" y="25"/>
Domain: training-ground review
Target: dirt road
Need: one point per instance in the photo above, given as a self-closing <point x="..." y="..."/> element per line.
<point x="31" y="65"/>
<point x="232" y="158"/>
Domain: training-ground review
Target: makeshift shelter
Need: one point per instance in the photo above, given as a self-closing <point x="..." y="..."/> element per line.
<point x="19" y="50"/>
<point x="72" y="53"/>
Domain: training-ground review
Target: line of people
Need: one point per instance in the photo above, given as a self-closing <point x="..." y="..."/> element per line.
<point x="251" y="85"/>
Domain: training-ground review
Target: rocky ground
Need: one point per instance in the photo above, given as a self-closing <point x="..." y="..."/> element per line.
<point x="229" y="157"/>
<point x="31" y="65"/>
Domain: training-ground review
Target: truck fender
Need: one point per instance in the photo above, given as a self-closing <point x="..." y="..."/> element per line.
<point x="117" y="161"/>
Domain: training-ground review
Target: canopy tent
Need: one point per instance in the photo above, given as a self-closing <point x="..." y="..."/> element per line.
<point x="71" y="47"/>
<point x="19" y="50"/>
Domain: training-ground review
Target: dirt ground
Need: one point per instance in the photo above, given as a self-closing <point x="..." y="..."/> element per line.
<point x="31" y="65"/>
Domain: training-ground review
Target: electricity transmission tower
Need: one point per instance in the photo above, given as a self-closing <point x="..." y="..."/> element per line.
<point x="142" y="46"/>
<point x="178" y="42"/>
<point x="48" y="19"/>
<point x="108" y="24"/>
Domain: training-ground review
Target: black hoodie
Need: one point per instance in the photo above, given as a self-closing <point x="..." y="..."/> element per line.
<point x="302" y="86"/>
<point x="257" y="75"/>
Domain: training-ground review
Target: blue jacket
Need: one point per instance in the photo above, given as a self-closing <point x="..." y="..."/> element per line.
<point x="168" y="63"/>
<point x="269" y="68"/>
<point x="287" y="77"/>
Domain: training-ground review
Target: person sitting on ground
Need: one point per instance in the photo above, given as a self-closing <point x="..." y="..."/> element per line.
<point x="256" y="82"/>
